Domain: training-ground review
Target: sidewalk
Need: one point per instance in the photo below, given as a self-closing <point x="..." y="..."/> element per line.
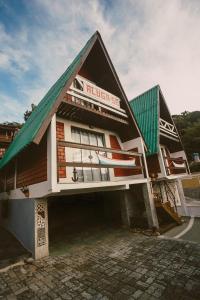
<point x="188" y="231"/>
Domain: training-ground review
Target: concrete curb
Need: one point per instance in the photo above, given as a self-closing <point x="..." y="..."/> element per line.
<point x="19" y="263"/>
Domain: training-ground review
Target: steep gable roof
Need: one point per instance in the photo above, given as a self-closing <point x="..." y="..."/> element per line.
<point x="34" y="128"/>
<point x="30" y="129"/>
<point x="146" y="112"/>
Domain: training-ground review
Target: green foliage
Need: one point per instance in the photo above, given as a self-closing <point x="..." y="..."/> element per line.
<point x="29" y="112"/>
<point x="195" y="167"/>
<point x="188" y="125"/>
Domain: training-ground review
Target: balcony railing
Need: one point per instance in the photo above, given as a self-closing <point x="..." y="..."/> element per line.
<point x="175" y="165"/>
<point x="132" y="160"/>
<point x="168" y="129"/>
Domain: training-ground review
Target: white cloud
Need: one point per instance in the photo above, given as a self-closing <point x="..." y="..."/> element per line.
<point x="14" y="54"/>
<point x="11" y="109"/>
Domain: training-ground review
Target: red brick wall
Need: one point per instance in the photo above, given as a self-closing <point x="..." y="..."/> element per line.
<point x="119" y="171"/>
<point x="60" y="136"/>
<point x="32" y="164"/>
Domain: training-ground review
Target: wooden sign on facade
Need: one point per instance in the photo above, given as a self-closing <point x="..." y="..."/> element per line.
<point x="92" y="90"/>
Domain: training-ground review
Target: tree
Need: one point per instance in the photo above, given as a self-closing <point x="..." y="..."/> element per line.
<point x="188" y="125"/>
<point x="29" y="112"/>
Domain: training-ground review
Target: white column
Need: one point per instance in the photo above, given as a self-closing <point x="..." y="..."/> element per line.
<point x="52" y="155"/>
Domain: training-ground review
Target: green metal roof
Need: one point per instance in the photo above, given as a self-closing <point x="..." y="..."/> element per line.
<point x="30" y="129"/>
<point x="146" y="111"/>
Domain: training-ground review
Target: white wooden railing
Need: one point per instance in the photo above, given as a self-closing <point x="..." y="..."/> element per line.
<point x="168" y="128"/>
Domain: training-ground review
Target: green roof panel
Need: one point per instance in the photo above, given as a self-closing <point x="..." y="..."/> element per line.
<point x="145" y="109"/>
<point x="30" y="129"/>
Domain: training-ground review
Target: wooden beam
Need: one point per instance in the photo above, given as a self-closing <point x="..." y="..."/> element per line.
<point x="170" y="137"/>
<point x="175" y="159"/>
<point x="90" y="165"/>
<point x="96" y="148"/>
<point x="102" y="114"/>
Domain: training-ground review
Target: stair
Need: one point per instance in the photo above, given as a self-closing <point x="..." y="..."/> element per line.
<point x="169" y="210"/>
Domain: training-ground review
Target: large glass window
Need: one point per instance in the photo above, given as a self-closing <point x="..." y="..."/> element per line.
<point x="88" y="156"/>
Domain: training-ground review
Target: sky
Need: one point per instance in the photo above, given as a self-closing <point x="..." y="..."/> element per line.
<point x="149" y="41"/>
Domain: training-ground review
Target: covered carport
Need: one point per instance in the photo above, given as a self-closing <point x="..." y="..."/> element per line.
<point x="81" y="217"/>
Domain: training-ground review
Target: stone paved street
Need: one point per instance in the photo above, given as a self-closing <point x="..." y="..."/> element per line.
<point x="120" y="265"/>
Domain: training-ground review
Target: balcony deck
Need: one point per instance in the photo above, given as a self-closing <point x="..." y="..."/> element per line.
<point x="128" y="155"/>
<point x="175" y="165"/>
<point x="168" y="130"/>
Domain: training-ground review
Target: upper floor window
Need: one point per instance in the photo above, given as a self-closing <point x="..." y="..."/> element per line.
<point x="83" y="136"/>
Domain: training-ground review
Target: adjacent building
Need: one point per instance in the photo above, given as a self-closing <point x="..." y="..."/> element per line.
<point x="7" y="134"/>
<point x="166" y="158"/>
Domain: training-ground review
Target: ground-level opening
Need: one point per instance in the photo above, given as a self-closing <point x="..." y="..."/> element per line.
<point x="82" y="217"/>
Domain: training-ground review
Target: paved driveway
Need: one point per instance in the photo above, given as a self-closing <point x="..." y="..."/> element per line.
<point x="118" y="265"/>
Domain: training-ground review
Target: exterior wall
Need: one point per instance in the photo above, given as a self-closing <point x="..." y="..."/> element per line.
<point x="28" y="169"/>
<point x="32" y="164"/>
<point x="19" y="220"/>
<point x="138" y="208"/>
<point x="27" y="220"/>
<point x="122" y="172"/>
<point x="60" y="136"/>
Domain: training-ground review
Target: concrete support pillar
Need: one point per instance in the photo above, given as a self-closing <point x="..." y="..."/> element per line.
<point x="125" y="208"/>
<point x="150" y="206"/>
<point x="41" y="241"/>
<point x="182" y="197"/>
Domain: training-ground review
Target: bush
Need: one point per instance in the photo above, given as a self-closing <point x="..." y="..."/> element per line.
<point x="195" y="167"/>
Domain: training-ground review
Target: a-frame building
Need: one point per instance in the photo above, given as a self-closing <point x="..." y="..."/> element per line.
<point x="80" y="145"/>
<point x="166" y="158"/>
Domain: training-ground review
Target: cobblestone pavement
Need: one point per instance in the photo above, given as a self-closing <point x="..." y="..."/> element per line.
<point x="121" y="265"/>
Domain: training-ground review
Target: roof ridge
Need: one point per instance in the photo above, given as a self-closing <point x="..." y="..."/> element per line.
<point x="155" y="86"/>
